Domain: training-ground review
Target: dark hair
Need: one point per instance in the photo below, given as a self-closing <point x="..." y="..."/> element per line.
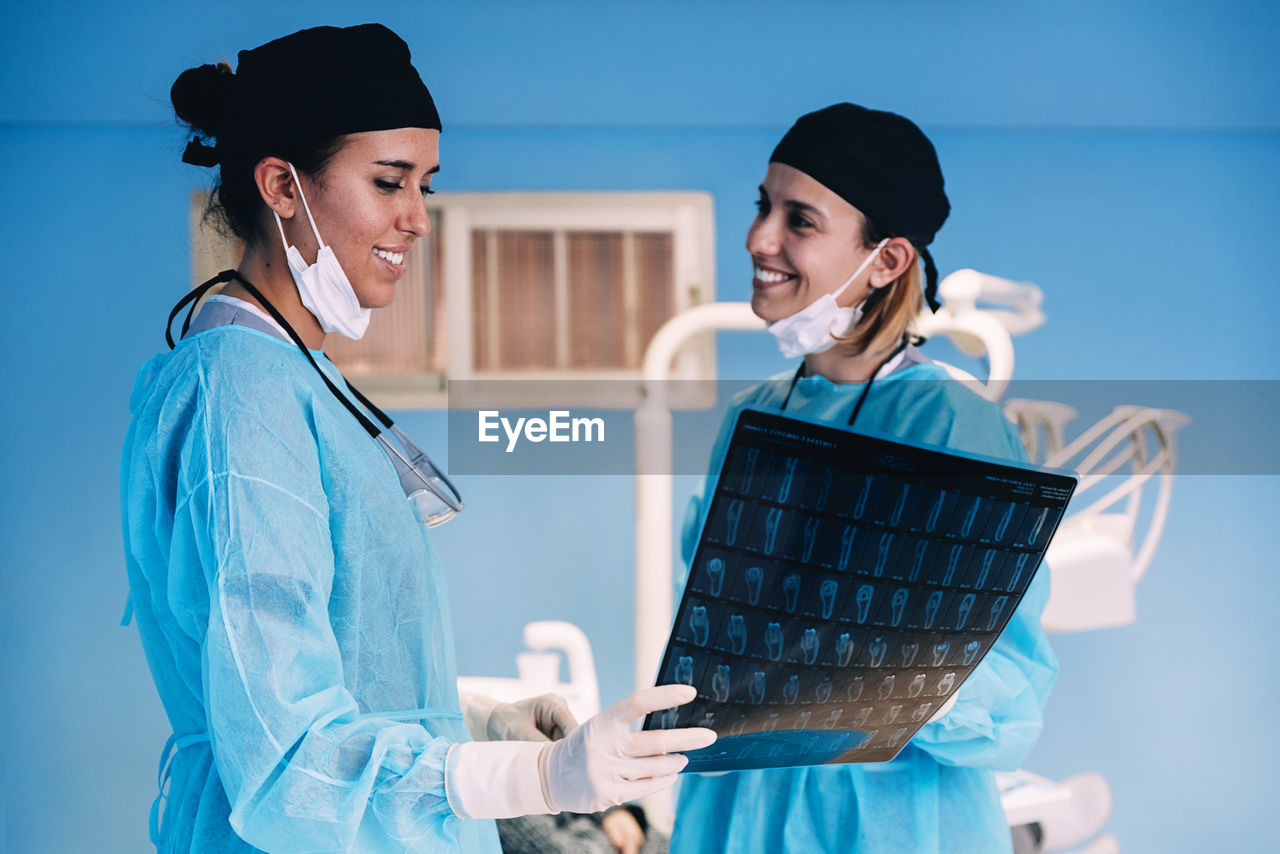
<point x="200" y="97"/>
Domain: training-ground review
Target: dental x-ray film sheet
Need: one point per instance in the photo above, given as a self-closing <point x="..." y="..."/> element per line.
<point x="843" y="588"/>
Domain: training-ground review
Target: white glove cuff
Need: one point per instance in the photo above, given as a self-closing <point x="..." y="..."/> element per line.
<point x="946" y="707"/>
<point x="494" y="779"/>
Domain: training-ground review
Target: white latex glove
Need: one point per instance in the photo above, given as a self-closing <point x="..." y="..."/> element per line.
<point x="599" y="764"/>
<point x="533" y="719"/>
<point x="603" y="762"/>
<point x="944" y="708"/>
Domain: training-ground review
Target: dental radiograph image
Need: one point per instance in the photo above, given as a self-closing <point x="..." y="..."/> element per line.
<point x="885" y="691"/>
<point x="882" y="554"/>
<point x="810" y="538"/>
<point x="791" y="591"/>
<point x="833" y="718"/>
<point x="935" y="513"/>
<point x="824" y="491"/>
<point x="946" y="683"/>
<point x="931" y="608"/>
<point x="916" y="686"/>
<point x="756" y="687"/>
<point x="898" y="606"/>
<point x="720" y="683"/>
<point x="1032" y="537"/>
<point x="864" y="715"/>
<point x="940" y="650"/>
<point x="966" y="527"/>
<point x="822" y="691"/>
<point x="733" y="520"/>
<point x="754" y="578"/>
<point x="715" y="575"/>
<point x="899" y="506"/>
<point x="922" y="711"/>
<point x="773" y="641"/>
<point x="809" y="646"/>
<point x="864" y="497"/>
<point x="917" y="560"/>
<point x="853" y="691"/>
<point x="737" y="632"/>
<point x="908" y="652"/>
<point x="802" y="719"/>
<point x="844" y="649"/>
<point x="791" y="689"/>
<point x="749" y="470"/>
<point x="971" y="652"/>
<point x="772" y="520"/>
<point x="700" y="624"/>
<point x="862" y="600"/>
<point x="962" y="613"/>
<point x="892" y="715"/>
<point x="877" y="649"/>
<point x="984" y="570"/>
<point x="788" y="478"/>
<point x="997" y="608"/>
<point x="1002" y="526"/>
<point x="827" y="595"/>
<point x="847" y="538"/>
<point x="684" y="669"/>
<point x="954" y="554"/>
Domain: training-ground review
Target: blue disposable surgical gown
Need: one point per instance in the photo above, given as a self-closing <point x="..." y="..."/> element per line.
<point x="290" y="606"/>
<point x="939" y="793"/>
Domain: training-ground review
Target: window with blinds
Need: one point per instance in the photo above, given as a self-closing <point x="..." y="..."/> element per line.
<point x="526" y="285"/>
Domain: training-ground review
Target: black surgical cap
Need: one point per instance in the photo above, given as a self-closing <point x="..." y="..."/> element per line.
<point x="880" y="163"/>
<point x="306" y="88"/>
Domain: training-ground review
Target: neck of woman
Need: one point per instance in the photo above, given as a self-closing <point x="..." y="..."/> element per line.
<point x="268" y="271"/>
<point x="836" y="365"/>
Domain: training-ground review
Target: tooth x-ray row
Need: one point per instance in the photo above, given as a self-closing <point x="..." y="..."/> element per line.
<point x="908" y="572"/>
<point x="837" y="540"/>
<point x="844" y="588"/>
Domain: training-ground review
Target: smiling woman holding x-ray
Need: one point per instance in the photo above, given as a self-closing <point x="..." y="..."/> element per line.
<point x="849" y="204"/>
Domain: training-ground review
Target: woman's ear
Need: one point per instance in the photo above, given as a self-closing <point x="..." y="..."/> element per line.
<point x="277" y="187"/>
<point x="894" y="259"/>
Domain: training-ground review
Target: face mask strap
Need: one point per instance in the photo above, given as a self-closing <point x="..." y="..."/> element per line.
<point x="305" y="206"/>
<point x="865" y="263"/>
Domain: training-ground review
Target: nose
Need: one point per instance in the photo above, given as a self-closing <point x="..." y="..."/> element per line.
<point x="415" y="220"/>
<point x="762" y="236"/>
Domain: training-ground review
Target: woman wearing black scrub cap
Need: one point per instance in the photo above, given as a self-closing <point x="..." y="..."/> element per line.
<point x="291" y="607"/>
<point x="849" y="203"/>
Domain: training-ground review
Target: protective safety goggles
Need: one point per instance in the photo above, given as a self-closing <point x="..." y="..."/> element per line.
<point x="433" y="497"/>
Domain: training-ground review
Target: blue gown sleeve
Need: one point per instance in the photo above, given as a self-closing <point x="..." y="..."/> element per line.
<point x="302" y="769"/>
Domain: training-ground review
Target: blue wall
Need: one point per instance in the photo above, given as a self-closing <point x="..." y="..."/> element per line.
<point x="1122" y="155"/>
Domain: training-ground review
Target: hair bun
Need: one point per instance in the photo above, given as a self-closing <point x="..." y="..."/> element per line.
<point x="200" y="96"/>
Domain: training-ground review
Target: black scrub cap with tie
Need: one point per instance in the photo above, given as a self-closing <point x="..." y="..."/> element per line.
<point x="300" y="90"/>
<point x="880" y="163"/>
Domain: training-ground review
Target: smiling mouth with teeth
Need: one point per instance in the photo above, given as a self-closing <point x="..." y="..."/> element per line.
<point x="396" y="258"/>
<point x="770" y="277"/>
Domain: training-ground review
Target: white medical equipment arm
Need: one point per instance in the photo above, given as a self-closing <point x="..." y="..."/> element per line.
<point x="1096" y="558"/>
<point x="539" y="670"/>
<point x="654" y="543"/>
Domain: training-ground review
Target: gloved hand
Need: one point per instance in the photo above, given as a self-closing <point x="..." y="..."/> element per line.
<point x="603" y="762"/>
<point x="599" y="764"/>
<point x="533" y="719"/>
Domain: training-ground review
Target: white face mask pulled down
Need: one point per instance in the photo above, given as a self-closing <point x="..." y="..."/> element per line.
<point x="323" y="286"/>
<point x="812" y="328"/>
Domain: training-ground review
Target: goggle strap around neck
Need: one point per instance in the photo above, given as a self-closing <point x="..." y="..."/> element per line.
<point x="297" y="339"/>
<point x="192" y="297"/>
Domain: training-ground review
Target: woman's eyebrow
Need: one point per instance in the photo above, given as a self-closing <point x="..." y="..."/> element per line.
<point x="405" y="165"/>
